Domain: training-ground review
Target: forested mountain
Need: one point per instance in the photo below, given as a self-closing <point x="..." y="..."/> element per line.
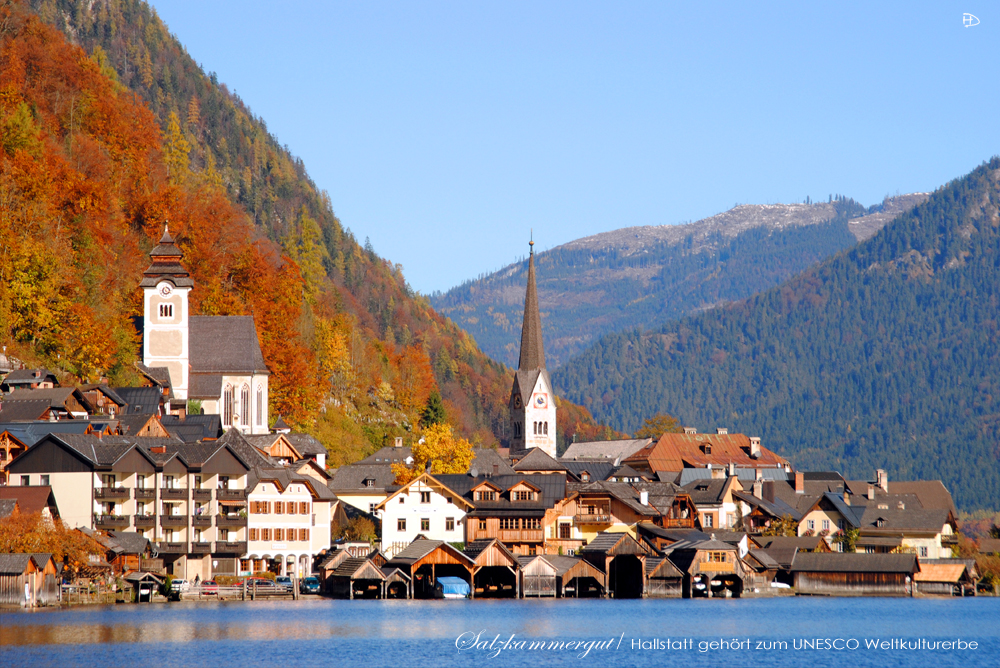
<point x="645" y="276"/>
<point x="109" y="129"/>
<point x="886" y="355"/>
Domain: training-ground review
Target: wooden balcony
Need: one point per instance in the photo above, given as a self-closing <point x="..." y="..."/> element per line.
<point x="230" y="547"/>
<point x="111" y="521"/>
<point x="145" y="521"/>
<point x="592" y="519"/>
<point x="171" y="548"/>
<point x="202" y="521"/>
<point x="671" y="523"/>
<point x="231" y="494"/>
<point x="230" y="521"/>
<point x="111" y="493"/>
<point x="145" y="494"/>
<point x="521" y="535"/>
<point x="174" y="493"/>
<point x="201" y="494"/>
<point x="173" y="520"/>
<point x="715" y="567"/>
<point x="201" y="547"/>
<point x="949" y="539"/>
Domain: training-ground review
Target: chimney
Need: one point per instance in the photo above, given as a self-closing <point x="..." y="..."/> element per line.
<point x="731" y="469"/>
<point x="758" y="488"/>
<point x="800" y="482"/>
<point x="399" y="442"/>
<point x="721" y="431"/>
<point x="900" y="505"/>
<point x="644" y="497"/>
<point x="690" y="431"/>
<point x="882" y="480"/>
<point x="871" y="492"/>
<point x="755" y="446"/>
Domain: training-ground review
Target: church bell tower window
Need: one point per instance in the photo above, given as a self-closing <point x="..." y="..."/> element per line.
<point x="166" y="310"/>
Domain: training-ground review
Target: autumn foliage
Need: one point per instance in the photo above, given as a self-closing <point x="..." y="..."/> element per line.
<point x="31" y="533"/>
<point x="441" y="449"/>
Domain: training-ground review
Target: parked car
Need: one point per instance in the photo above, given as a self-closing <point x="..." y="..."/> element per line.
<point x="309" y="585"/>
<point x="210" y="588"/>
<point x="180" y="585"/>
<point x="260" y="583"/>
<point x="284" y="581"/>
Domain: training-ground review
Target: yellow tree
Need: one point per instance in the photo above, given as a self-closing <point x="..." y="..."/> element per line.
<point x="175" y="150"/>
<point x="657" y="426"/>
<point x="441" y="449"/>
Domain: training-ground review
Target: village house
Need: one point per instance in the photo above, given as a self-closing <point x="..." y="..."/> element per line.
<point x="717" y="506"/>
<point x="424" y="507"/>
<point x="672" y="453"/>
<point x="711" y="568"/>
<point x="28" y="379"/>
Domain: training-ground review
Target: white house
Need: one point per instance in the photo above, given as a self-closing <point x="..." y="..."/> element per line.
<point x="422" y="507"/>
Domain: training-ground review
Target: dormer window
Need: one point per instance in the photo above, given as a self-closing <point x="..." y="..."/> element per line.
<point x="486" y="495"/>
<point x="707" y="448"/>
<point x="166" y="310"/>
<point x="585" y="477"/>
<point x="880" y="522"/>
<point x="369" y="482"/>
<point x="524" y="495"/>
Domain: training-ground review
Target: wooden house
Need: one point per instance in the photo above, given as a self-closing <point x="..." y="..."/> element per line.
<point x="357" y="577"/>
<point x="846" y="574"/>
<point x="425" y="560"/>
<point x="663" y="579"/>
<point x="711" y="568"/>
<point x="560" y="576"/>
<point x="10" y="447"/>
<point x="495" y="570"/>
<point x="28" y="580"/>
<point x="623" y="560"/>
<point x="946" y="577"/>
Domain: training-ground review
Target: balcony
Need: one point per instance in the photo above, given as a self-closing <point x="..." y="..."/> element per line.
<point x="231" y="494"/>
<point x="173" y="520"/>
<point x="715" y="567"/>
<point x="111" y="521"/>
<point x="949" y="539"/>
<point x="144" y="521"/>
<point x="521" y="535"/>
<point x="145" y="494"/>
<point x="234" y="521"/>
<point x="201" y="547"/>
<point x="201" y="494"/>
<point x="171" y="547"/>
<point x="673" y="523"/>
<point x="592" y="519"/>
<point x="111" y="493"/>
<point x="203" y="521"/>
<point x="228" y="546"/>
<point x="174" y="493"/>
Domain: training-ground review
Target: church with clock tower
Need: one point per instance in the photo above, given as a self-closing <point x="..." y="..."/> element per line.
<point x="532" y="401"/>
<point x="215" y="360"/>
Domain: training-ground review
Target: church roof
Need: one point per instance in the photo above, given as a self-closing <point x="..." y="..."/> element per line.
<point x="166" y="257"/>
<point x="225" y="344"/>
<point x="532" y="350"/>
<point x="538" y="460"/>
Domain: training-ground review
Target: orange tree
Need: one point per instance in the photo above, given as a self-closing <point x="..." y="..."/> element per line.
<point x="440" y="448"/>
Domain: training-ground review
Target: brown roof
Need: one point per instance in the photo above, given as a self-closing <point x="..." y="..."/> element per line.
<point x="939" y="573"/>
<point x="673" y="452"/>
<point x="933" y="494"/>
<point x="30" y="500"/>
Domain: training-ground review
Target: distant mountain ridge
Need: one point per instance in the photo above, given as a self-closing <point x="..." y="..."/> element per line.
<point x="644" y="276"/>
<point x="884" y="356"/>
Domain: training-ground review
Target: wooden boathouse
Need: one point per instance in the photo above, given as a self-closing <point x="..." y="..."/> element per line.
<point x="560" y="576"/>
<point x="851" y="574"/>
<point x="663" y="579"/>
<point x="495" y="570"/>
<point x="357" y="577"/>
<point x="425" y="560"/>
<point x="623" y="560"/>
<point x="947" y="577"/>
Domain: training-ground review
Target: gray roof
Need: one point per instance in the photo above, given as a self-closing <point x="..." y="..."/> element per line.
<point x="613" y="450"/>
<point x="388" y="455"/>
<point x="205" y="386"/>
<point x="538" y="460"/>
<point x="488" y="461"/>
<point x="562" y="563"/>
<point x="130" y="424"/>
<point x="14" y="564"/>
<point x="553" y="488"/>
<point x="850" y="562"/>
<point x="597" y="468"/>
<point x="7" y="507"/>
<point x="707" y="492"/>
<point x="666" y="570"/>
<point x="225" y="344"/>
<point x="745" y="475"/>
<point x="625" y="472"/>
<point x="23" y="411"/>
<point x="284" y="476"/>
<point x="624" y="492"/>
<point x="765" y="559"/>
<point x="306" y="445"/>
<point x="907" y="519"/>
<point x="352" y="477"/>
<point x="129" y="542"/>
<point x="30" y="433"/>
<point x="140" y="399"/>
<point x="193" y="427"/>
<point x="419" y="549"/>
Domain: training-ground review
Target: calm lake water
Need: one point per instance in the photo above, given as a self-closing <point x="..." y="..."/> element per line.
<point x="424" y="633"/>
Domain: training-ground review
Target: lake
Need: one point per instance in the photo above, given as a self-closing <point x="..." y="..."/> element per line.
<point x="792" y="631"/>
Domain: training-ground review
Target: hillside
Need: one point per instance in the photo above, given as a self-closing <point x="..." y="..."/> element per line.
<point x="105" y="138"/>
<point x="886" y="355"/>
<point x="645" y="276"/>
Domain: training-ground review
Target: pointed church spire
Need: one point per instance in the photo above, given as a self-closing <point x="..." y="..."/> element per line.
<point x="532" y="351"/>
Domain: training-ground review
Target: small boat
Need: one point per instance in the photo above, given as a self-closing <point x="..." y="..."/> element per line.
<point x="451" y="587"/>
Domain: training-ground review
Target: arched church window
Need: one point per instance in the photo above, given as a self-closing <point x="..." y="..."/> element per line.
<point x="260" y="405"/>
<point x="245" y="403"/>
<point x="545" y="426"/>
<point x="227" y="406"/>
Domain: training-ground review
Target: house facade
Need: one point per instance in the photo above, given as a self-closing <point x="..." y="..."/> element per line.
<point x="424" y="507"/>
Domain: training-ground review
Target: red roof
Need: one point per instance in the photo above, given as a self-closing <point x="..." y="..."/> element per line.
<point x="674" y="452"/>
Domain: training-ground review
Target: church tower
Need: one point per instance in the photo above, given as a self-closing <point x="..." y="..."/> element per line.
<point x="165" y="287"/>
<point x="532" y="402"/>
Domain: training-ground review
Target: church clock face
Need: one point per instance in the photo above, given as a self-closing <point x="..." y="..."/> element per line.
<point x="165" y="290"/>
<point x="517" y="401"/>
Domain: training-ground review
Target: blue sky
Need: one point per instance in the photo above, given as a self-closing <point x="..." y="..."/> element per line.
<point x="445" y="132"/>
